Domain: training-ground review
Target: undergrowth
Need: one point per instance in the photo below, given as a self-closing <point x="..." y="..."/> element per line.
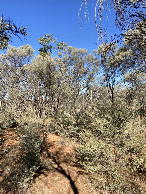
<point x="114" y="157"/>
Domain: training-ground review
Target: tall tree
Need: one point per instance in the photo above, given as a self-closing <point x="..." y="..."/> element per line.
<point x="115" y="62"/>
<point x="14" y="75"/>
<point x="135" y="40"/>
<point x="42" y="83"/>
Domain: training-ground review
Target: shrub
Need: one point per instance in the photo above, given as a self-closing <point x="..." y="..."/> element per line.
<point x="7" y="120"/>
<point x="107" y="165"/>
<point x="23" y="162"/>
<point x="64" y="123"/>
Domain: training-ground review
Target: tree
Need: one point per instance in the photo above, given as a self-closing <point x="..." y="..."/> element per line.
<point x="77" y="69"/>
<point x="114" y="63"/>
<point x="49" y="44"/>
<point x="46" y="46"/>
<point x="135" y="40"/>
<point x="7" y="29"/>
<point x="14" y="76"/>
<point x="42" y="74"/>
<point x="127" y="13"/>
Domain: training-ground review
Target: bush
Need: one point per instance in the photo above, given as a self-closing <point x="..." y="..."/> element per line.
<point x="22" y="162"/>
<point x="114" y="164"/>
<point x="64" y="123"/>
<point x="7" y="120"/>
<point x="135" y="146"/>
<point x="97" y="158"/>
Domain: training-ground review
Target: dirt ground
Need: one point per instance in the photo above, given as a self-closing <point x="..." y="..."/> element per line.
<point x="61" y="173"/>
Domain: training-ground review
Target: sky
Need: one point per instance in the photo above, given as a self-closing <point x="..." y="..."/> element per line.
<point x="58" y="17"/>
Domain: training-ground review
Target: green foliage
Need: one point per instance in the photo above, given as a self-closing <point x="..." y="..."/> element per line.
<point x="49" y="44"/>
<point x="7" y="29"/>
<point x="134" y="146"/>
<point x="22" y="162"/>
<point x="104" y="116"/>
<point x="7" y="120"/>
<point x="30" y="146"/>
<point x="97" y="157"/>
<point x="46" y="46"/>
<point x="107" y="164"/>
<point x="64" y="123"/>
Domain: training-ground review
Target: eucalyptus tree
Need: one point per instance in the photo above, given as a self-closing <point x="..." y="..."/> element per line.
<point x="49" y="44"/>
<point x="46" y="43"/>
<point x="42" y="83"/>
<point x="135" y="40"/>
<point x="14" y="75"/>
<point x="127" y="13"/>
<point x="71" y="73"/>
<point x="114" y="63"/>
<point x="76" y="67"/>
<point x="7" y="29"/>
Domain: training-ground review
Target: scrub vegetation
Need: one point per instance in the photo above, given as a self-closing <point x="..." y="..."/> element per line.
<point x="96" y="100"/>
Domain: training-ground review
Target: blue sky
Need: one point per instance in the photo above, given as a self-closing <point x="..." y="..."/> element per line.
<point x="58" y="17"/>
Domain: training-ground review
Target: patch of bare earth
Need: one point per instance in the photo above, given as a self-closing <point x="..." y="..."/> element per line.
<point x="60" y="173"/>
